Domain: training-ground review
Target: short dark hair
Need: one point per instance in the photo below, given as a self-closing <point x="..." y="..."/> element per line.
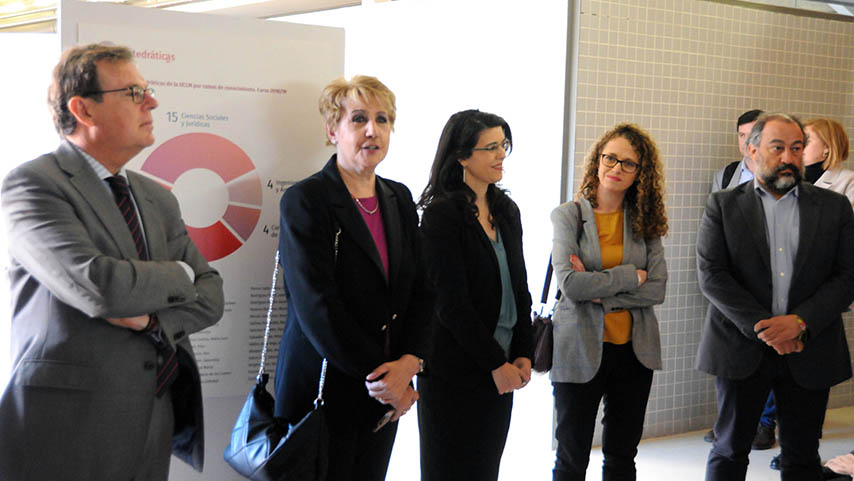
<point x="747" y="117"/>
<point x="76" y="74"/>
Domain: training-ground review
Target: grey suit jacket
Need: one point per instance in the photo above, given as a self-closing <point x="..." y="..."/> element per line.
<point x="733" y="270"/>
<point x="79" y="401"/>
<point x="734" y="181"/>
<point x="579" y="323"/>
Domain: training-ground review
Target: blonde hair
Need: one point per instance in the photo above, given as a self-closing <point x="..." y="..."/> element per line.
<point x="834" y="137"/>
<point x="644" y="199"/>
<point x="360" y="87"/>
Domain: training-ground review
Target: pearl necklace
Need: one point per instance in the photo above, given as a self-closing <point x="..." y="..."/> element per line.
<point x="369" y="211"/>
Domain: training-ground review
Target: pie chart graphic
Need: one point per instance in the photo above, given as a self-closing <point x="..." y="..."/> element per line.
<point x="219" y="178"/>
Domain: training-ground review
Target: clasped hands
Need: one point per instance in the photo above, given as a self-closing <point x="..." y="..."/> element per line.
<point x="509" y="377"/>
<point x="781" y="333"/>
<point x="390" y="384"/>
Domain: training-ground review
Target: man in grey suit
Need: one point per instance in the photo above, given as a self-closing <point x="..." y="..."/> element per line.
<point x="106" y="287"/>
<point x="774" y="260"/>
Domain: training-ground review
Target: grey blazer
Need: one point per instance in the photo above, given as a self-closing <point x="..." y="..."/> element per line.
<point x="79" y="401"/>
<point x="579" y="323"/>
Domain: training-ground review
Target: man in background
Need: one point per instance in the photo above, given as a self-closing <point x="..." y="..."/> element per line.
<point x="106" y="288"/>
<point x="737" y="172"/>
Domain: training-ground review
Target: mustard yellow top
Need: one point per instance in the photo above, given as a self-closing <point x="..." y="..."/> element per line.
<point x="618" y="324"/>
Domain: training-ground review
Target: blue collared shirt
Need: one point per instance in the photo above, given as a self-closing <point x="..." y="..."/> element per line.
<point x="103" y="174"/>
<point x="783" y="228"/>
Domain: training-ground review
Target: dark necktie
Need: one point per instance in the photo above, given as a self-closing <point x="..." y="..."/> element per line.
<point x="167" y="370"/>
<point x="121" y="193"/>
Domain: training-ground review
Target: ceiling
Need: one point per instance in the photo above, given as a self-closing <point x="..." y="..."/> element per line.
<point x="40" y="15"/>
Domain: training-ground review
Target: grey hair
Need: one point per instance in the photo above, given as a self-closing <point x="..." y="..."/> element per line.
<point x="759" y="126"/>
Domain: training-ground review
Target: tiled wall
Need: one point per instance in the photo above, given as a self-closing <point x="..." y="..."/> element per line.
<point x="685" y="70"/>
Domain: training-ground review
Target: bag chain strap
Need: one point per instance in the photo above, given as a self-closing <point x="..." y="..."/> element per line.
<point x="319" y="401"/>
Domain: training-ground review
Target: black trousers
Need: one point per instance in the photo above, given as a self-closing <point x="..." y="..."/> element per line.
<point x="355" y="452"/>
<point x="624" y="384"/>
<point x="800" y="415"/>
<point x="462" y="430"/>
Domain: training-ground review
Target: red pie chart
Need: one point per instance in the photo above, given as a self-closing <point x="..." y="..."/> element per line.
<point x="211" y="153"/>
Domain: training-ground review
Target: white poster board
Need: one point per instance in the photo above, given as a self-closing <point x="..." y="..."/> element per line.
<point x="237" y="124"/>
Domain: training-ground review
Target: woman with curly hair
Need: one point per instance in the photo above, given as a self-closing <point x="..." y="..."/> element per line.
<point x="606" y="340"/>
<point x="826" y="150"/>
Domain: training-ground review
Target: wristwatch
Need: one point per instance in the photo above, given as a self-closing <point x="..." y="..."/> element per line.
<point x="804" y="335"/>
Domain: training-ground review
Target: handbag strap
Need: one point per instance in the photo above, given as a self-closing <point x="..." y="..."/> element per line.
<point x="319" y="400"/>
<point x="579" y="230"/>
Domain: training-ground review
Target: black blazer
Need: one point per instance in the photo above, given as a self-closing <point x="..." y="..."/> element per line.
<point x="342" y="309"/>
<point x="733" y="268"/>
<point x="464" y="271"/>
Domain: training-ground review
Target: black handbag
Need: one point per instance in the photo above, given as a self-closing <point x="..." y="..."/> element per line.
<point x="266" y="448"/>
<point x="543" y="327"/>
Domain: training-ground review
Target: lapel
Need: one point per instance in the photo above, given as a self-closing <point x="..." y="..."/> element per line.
<point x="750" y="207"/>
<point x="810" y="213"/>
<point x="393" y="230"/>
<point x="827" y="178"/>
<point x="149" y="215"/>
<point x="98" y="196"/>
<point x="591" y="232"/>
<point x="630" y="246"/>
<point x="344" y="210"/>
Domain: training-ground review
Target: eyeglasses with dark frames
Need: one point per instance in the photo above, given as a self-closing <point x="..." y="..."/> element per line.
<point x="627" y="166"/>
<point x="504" y="144"/>
<point x="137" y="93"/>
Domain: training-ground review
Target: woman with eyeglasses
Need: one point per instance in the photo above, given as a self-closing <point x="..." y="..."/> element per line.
<point x="606" y="341"/>
<point x="481" y="346"/>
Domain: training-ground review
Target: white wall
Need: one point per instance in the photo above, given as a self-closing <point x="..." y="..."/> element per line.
<point x="501" y="56"/>
<point x="26" y="131"/>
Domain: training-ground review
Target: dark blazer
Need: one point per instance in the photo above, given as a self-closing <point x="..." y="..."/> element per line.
<point x="733" y="268"/>
<point x="342" y="309"/>
<point x="79" y="401"/>
<point x="464" y="271"/>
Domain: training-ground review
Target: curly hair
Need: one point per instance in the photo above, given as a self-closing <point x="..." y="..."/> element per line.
<point x="644" y="199"/>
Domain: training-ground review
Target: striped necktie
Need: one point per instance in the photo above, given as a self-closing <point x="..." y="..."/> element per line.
<point x="167" y="370"/>
<point x="121" y="193"/>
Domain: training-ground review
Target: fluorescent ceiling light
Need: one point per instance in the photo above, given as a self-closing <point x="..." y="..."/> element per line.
<point x="206" y="6"/>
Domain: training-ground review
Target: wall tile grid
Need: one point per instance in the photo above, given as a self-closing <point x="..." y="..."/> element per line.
<point x="685" y="70"/>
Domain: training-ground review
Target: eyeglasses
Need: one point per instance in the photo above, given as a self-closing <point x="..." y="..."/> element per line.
<point x="137" y="93"/>
<point x="628" y="166"/>
<point x="505" y="145"/>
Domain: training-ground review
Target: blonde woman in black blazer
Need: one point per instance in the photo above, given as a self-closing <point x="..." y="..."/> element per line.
<point x="361" y="303"/>
<point x="481" y="345"/>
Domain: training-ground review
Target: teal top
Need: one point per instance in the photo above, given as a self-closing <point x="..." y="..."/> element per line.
<point x="507" y="314"/>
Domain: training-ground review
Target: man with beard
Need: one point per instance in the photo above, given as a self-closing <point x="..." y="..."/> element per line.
<point x="774" y="260"/>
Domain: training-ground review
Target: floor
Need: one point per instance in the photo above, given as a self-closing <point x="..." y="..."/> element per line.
<point x="528" y="455"/>
<point x="684" y="456"/>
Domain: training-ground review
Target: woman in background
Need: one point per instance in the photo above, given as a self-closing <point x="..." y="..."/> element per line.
<point x="826" y="150"/>
<point x="481" y="345"/>
<point x="356" y="289"/>
<point x="606" y="340"/>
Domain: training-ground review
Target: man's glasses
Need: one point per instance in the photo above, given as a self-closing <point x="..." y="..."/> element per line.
<point x="137" y="93"/>
<point x="505" y="145"/>
<point x="627" y="166"/>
